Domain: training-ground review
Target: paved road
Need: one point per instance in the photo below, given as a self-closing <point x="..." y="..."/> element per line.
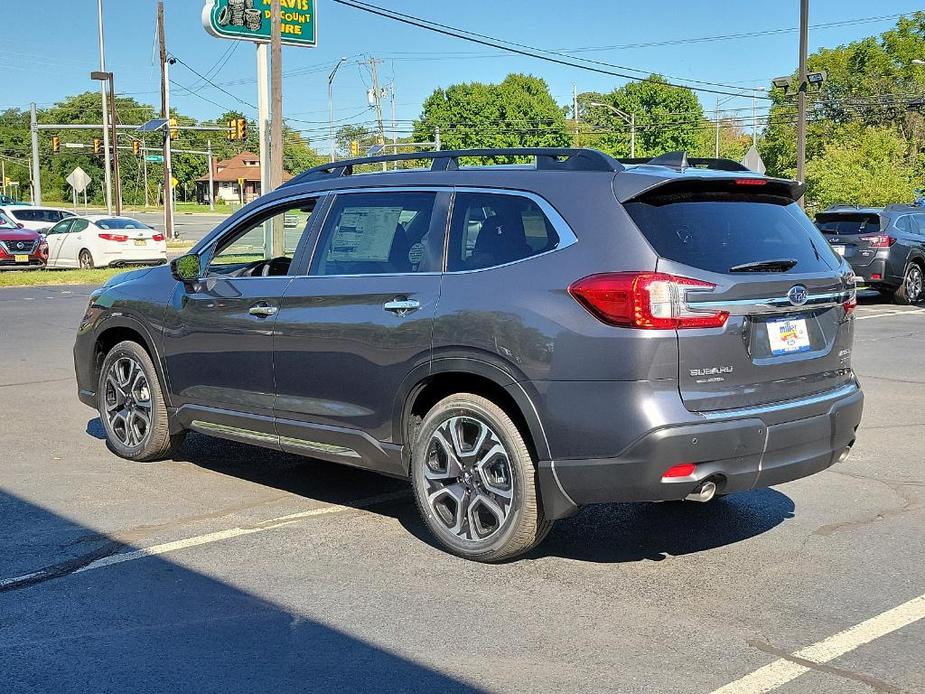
<point x="190" y="227"/>
<point x="235" y="569"/>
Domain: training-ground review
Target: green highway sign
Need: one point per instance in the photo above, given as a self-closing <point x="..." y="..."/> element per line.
<point x="249" y="20"/>
<point x="157" y="158"/>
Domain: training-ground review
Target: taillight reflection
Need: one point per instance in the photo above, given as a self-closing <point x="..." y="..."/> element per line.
<point x="650" y="300"/>
<point x="879" y="240"/>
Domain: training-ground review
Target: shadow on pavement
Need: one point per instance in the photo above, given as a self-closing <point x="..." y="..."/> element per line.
<point x="152" y="626"/>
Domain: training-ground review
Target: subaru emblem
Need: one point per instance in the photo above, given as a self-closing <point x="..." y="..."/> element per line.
<point x="797" y="295"/>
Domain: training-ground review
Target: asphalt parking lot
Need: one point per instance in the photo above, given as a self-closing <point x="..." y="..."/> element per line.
<point x="236" y="569"/>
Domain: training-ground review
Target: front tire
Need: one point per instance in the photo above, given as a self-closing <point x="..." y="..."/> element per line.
<point x="131" y="405"/>
<point x="474" y="480"/>
<point x="85" y="260"/>
<point x="912" y="289"/>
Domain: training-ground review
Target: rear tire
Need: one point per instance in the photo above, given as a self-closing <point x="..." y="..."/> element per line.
<point x="474" y="480"/>
<point x="131" y="406"/>
<point x="912" y="289"/>
<point x="85" y="260"/>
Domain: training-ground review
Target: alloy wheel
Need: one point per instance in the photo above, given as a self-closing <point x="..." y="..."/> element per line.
<point x="85" y="260"/>
<point x="127" y="398"/>
<point x="914" y="283"/>
<point x="468" y="479"/>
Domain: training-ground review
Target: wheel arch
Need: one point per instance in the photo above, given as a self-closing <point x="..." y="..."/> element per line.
<point x="122" y="328"/>
<point x="429" y="384"/>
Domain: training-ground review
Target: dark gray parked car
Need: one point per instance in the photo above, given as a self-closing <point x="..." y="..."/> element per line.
<point x="885" y="246"/>
<point x="518" y="341"/>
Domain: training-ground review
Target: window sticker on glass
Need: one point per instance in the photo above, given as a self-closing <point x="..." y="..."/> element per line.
<point x="364" y="233"/>
<point x="788" y="336"/>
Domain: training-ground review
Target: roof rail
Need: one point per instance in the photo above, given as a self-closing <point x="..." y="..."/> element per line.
<point x="680" y="161"/>
<point x="547" y="159"/>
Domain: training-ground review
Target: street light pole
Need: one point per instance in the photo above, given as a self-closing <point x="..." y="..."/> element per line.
<point x="630" y="119"/>
<point x="801" y="94"/>
<point x="331" y="104"/>
<point x="106" y="164"/>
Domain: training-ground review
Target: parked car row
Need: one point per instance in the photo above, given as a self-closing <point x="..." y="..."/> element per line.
<point x="39" y="237"/>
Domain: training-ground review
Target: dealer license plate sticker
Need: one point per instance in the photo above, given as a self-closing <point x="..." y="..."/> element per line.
<point x="788" y="336"/>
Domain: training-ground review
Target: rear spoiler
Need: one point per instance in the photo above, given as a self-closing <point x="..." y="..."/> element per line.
<point x="636" y="184"/>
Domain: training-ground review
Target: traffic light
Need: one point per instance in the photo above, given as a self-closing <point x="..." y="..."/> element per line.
<point x="354" y="148"/>
<point x="97" y="145"/>
<point x="241" y="129"/>
<point x="174" y="133"/>
<point x="232" y="129"/>
<point x="136" y="147"/>
<point x="55" y="144"/>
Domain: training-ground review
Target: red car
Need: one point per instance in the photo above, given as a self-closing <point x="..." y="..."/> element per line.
<point x="20" y="248"/>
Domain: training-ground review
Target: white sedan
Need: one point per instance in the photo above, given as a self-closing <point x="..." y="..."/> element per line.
<point x="104" y="241"/>
<point x="36" y="218"/>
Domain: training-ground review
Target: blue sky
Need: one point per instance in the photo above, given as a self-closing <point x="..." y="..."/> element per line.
<point x="48" y="49"/>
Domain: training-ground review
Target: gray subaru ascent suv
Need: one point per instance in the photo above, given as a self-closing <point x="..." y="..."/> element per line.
<point x="516" y="340"/>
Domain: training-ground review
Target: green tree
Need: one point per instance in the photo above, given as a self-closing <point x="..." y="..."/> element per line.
<point x="863" y="164"/>
<point x="518" y="112"/>
<point x="667" y="119"/>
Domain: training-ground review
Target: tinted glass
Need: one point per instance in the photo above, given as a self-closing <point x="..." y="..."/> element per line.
<point x="120" y="224"/>
<point x="79" y="225"/>
<point x="61" y="227"/>
<point x="376" y="233"/>
<point x="493" y="229"/>
<point x="38" y="215"/>
<point x="6" y="222"/>
<point x="842" y="224"/>
<point x="719" y="232"/>
<point x="917" y="224"/>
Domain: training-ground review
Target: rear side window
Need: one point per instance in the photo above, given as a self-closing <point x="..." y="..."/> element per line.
<point x="377" y="233"/>
<point x="118" y="223"/>
<point x="716" y="232"/>
<point x="841" y="224"/>
<point x="38" y="215"/>
<point x="493" y="229"/>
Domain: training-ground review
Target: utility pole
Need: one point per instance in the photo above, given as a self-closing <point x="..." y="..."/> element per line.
<point x="801" y="94"/>
<point x="276" y="127"/>
<point x="211" y="178"/>
<point x="36" y="170"/>
<point x="331" y="105"/>
<point x="376" y="93"/>
<point x="106" y="163"/>
<point x="115" y="145"/>
<point x="394" y="127"/>
<point x="263" y="117"/>
<point x="716" y="118"/>
<point x="144" y="166"/>
<point x="754" y="119"/>
<point x="165" y="113"/>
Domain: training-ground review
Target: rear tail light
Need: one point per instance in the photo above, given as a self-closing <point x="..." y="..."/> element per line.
<point x="851" y="302"/>
<point x="157" y="237"/>
<point x="651" y="300"/>
<point x="879" y="240"/>
<point x="114" y="237"/>
<point x="681" y="470"/>
<point x="751" y="182"/>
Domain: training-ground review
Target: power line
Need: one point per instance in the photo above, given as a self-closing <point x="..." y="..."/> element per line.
<point x="529" y="51"/>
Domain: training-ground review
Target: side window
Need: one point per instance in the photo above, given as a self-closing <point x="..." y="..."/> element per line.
<point x="377" y="233"/>
<point x="904" y="224"/>
<point x="917" y="224"/>
<point x="265" y="245"/>
<point x="79" y="225"/>
<point x="60" y="228"/>
<point x="494" y="228"/>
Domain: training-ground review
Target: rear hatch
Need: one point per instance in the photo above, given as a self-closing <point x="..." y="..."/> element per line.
<point x="855" y="235"/>
<point x="786" y="335"/>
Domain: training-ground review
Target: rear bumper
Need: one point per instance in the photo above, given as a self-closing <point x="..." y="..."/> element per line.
<point x="878" y="267"/>
<point x="739" y="451"/>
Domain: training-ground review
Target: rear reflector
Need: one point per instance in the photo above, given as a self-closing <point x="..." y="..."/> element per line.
<point x="682" y="470"/>
<point x="751" y="182"/>
<point x="875" y="276"/>
<point x="651" y="300"/>
<point x="114" y="237"/>
<point x="879" y="240"/>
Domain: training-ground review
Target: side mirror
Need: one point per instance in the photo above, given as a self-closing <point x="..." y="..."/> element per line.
<point x="21" y="225"/>
<point x="186" y="268"/>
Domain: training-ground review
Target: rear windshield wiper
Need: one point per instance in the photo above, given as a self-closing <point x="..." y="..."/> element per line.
<point x="779" y="265"/>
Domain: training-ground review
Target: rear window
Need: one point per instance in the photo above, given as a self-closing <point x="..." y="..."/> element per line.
<point x="121" y="224"/>
<point x="847" y="224"/>
<point x="716" y="232"/>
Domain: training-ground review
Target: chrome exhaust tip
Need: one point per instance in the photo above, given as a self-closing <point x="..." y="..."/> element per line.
<point x="703" y="493"/>
<point x="843" y="456"/>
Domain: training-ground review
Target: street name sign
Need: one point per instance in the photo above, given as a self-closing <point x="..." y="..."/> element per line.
<point x="250" y="20"/>
<point x="156" y="158"/>
<point x="78" y="179"/>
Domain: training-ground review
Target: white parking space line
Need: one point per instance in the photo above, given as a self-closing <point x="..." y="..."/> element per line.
<point x="886" y="314"/>
<point x="782" y="670"/>
<point x="219" y="535"/>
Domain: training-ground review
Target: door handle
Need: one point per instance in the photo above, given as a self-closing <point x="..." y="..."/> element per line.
<point x="401" y="306"/>
<point x="263" y="310"/>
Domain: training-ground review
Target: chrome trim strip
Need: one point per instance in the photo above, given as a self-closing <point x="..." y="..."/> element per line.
<point x="840" y="392"/>
<point x="777" y="304"/>
<point x="212" y="427"/>
<point x="555" y="476"/>
<point x="319" y="447"/>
